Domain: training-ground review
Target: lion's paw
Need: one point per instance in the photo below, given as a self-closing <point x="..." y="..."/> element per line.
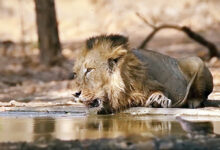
<point x="160" y="99"/>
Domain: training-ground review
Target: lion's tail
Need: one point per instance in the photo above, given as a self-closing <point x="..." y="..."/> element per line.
<point x="182" y="102"/>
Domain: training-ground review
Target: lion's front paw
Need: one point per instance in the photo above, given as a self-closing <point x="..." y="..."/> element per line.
<point x="160" y="99"/>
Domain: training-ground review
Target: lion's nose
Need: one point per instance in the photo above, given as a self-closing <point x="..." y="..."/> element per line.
<point x="77" y="94"/>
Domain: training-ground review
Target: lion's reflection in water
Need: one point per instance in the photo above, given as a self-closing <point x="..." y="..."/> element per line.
<point x="94" y="127"/>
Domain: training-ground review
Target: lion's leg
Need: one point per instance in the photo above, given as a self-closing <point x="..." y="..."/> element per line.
<point x="160" y="99"/>
<point x="202" y="85"/>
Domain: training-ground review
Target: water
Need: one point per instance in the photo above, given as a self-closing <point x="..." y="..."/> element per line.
<point x="34" y="127"/>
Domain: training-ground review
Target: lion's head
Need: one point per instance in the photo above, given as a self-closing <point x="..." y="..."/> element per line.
<point x="100" y="81"/>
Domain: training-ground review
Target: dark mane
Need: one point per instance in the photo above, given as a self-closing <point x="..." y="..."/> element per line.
<point x="115" y="40"/>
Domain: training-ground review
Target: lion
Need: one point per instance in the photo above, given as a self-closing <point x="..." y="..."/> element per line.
<point x="110" y="77"/>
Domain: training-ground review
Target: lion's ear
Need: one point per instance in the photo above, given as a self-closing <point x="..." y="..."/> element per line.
<point x="116" y="56"/>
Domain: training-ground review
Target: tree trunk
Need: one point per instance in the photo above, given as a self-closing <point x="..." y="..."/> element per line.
<point x="48" y="36"/>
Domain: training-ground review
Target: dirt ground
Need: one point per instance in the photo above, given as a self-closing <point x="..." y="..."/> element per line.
<point x="24" y="78"/>
<point x="131" y="143"/>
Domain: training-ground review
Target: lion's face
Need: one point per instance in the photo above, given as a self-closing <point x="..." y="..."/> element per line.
<point x="90" y="79"/>
<point x="97" y="70"/>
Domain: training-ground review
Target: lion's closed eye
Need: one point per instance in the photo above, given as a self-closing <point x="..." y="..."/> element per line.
<point x="89" y="70"/>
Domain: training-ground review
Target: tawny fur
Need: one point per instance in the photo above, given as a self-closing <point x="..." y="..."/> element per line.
<point x="108" y="70"/>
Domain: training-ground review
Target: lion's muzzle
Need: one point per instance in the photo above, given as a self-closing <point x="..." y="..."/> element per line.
<point x="94" y="103"/>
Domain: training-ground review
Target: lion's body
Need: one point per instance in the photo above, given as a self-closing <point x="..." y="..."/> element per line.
<point x="110" y="77"/>
<point x="172" y="75"/>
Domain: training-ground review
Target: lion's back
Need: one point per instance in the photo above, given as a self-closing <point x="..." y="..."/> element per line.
<point x="165" y="70"/>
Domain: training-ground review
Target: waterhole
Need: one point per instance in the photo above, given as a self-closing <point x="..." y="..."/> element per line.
<point x="34" y="127"/>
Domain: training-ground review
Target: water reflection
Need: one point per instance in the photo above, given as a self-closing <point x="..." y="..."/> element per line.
<point x="43" y="129"/>
<point x="196" y="128"/>
<point x="14" y="129"/>
<point x="110" y="126"/>
<point x="92" y="127"/>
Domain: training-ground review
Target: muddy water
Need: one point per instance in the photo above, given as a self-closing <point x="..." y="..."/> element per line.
<point x="43" y="127"/>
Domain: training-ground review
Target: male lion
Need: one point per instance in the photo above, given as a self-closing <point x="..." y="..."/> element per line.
<point x="111" y="77"/>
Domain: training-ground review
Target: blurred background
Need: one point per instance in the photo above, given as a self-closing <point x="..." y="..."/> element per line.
<point x="24" y="76"/>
